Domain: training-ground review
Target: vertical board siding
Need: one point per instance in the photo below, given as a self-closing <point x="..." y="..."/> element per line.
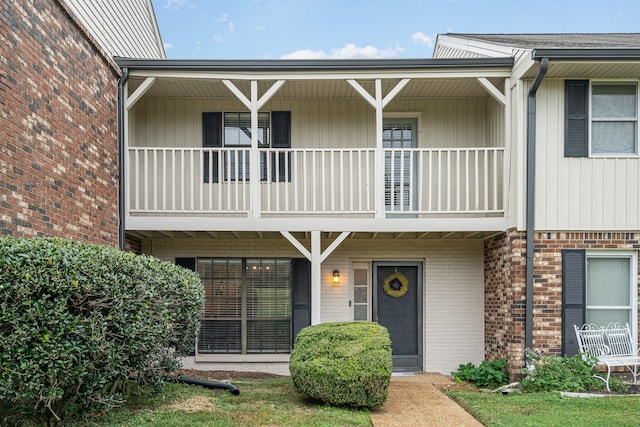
<point x="579" y="193"/>
<point x="322" y="123"/>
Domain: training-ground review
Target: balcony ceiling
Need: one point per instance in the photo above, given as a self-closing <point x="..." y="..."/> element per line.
<point x="328" y="236"/>
<point x="325" y="89"/>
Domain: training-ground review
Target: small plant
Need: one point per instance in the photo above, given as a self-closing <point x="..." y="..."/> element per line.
<point x="490" y="373"/>
<point x="553" y="373"/>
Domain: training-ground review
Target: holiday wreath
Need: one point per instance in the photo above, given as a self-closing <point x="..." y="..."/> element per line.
<point x="396" y="285"/>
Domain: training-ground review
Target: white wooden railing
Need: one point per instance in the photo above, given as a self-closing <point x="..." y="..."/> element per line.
<point x="315" y="181"/>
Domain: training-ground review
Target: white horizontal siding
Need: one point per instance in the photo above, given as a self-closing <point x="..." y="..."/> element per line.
<point x="125" y="28"/>
<point x="453" y="299"/>
<point x="579" y="193"/>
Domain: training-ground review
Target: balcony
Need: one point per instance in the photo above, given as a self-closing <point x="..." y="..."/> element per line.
<point x="417" y="183"/>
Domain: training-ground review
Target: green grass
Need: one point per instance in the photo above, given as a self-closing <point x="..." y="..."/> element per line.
<point x="273" y="402"/>
<point x="548" y="409"/>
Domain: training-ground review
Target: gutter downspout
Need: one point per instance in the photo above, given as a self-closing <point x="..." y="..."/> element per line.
<point x="531" y="176"/>
<point x="121" y="153"/>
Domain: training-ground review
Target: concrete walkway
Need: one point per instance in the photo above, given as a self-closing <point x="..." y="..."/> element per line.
<point x="415" y="401"/>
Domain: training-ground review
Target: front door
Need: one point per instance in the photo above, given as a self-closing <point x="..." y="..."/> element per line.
<point x="397" y="305"/>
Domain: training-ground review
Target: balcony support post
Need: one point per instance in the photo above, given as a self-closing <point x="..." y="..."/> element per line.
<point x="317" y="257"/>
<point x="254" y="155"/>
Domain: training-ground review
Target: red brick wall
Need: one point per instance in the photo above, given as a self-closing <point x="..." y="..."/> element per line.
<point x="504" y="272"/>
<point x="505" y="281"/>
<point x="58" y="127"/>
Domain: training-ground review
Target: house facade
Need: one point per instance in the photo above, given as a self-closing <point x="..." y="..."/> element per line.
<point x="475" y="203"/>
<point x="58" y="120"/>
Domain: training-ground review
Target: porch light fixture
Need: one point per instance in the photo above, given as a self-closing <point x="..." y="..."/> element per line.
<point x="336" y="277"/>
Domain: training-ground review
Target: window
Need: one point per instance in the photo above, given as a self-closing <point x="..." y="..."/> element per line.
<point x="232" y="130"/>
<point x="247" y="305"/>
<point x="601" y="118"/>
<point x="400" y="166"/>
<point x="361" y="292"/>
<point x="597" y="287"/>
<point x="609" y="289"/>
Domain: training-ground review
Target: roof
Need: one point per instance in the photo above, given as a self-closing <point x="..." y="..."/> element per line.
<point x="558" y="40"/>
<point x="311" y="64"/>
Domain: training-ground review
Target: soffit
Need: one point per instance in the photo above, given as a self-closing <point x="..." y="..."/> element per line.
<point x="589" y="70"/>
<point x="324" y="89"/>
<point x="326" y="236"/>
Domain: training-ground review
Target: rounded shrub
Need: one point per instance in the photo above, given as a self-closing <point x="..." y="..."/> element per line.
<point x="343" y="364"/>
<point x="76" y="320"/>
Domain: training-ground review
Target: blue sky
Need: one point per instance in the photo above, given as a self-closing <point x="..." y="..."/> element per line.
<point x="309" y="29"/>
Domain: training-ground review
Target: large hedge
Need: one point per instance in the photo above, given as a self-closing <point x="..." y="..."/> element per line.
<point x="76" y="320"/>
<point x="343" y="364"/>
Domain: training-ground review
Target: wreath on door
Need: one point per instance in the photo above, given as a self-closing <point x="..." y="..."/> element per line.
<point x="396" y="285"/>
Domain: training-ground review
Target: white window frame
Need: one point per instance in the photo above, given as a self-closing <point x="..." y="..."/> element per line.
<point x="591" y="118"/>
<point x="633" y="285"/>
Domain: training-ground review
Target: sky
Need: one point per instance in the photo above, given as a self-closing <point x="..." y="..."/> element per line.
<point x="347" y="29"/>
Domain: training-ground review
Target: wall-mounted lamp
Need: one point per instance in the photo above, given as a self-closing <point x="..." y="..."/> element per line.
<point x="336" y="277"/>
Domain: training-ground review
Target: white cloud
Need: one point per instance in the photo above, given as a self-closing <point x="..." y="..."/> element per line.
<point x="175" y="4"/>
<point x="232" y="28"/>
<point x="422" y="39"/>
<point x="305" y="54"/>
<point x="218" y="38"/>
<point x="168" y="46"/>
<point x="222" y="18"/>
<point x="260" y="27"/>
<point x="348" y="51"/>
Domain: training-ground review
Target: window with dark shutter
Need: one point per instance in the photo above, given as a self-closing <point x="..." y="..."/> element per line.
<point x="211" y="137"/>
<point x="573" y="297"/>
<point x="248" y="305"/>
<point x="576" y="141"/>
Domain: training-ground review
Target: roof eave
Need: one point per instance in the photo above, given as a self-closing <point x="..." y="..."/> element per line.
<point x="310" y="65"/>
<point x="587" y="54"/>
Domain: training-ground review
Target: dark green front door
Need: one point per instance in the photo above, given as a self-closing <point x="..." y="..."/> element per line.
<point x="397" y="305"/>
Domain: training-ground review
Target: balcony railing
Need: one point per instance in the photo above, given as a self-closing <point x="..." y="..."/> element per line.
<point x="315" y="182"/>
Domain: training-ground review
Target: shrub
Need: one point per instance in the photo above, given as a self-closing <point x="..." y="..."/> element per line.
<point x="489" y="374"/>
<point x="79" y="319"/>
<point x="343" y="364"/>
<point x="553" y="373"/>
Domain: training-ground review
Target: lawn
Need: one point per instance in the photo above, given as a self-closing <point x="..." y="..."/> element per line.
<point x="548" y="409"/>
<point x="263" y="402"/>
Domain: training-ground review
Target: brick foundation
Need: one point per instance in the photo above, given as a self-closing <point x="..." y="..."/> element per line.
<point x="58" y="127"/>
<point x="505" y="281"/>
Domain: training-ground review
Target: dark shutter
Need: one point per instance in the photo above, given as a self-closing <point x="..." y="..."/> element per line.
<point x="211" y="137"/>
<point x="281" y="138"/>
<point x="189" y="263"/>
<point x="576" y="118"/>
<point x="300" y="296"/>
<point x="573" y="297"/>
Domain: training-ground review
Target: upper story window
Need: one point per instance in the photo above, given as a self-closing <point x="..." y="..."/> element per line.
<point x="232" y="130"/>
<point x="237" y="129"/>
<point x="601" y="118"/>
<point x="614" y="118"/>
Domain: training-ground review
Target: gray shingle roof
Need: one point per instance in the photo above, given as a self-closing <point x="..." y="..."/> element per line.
<point x="558" y="40"/>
